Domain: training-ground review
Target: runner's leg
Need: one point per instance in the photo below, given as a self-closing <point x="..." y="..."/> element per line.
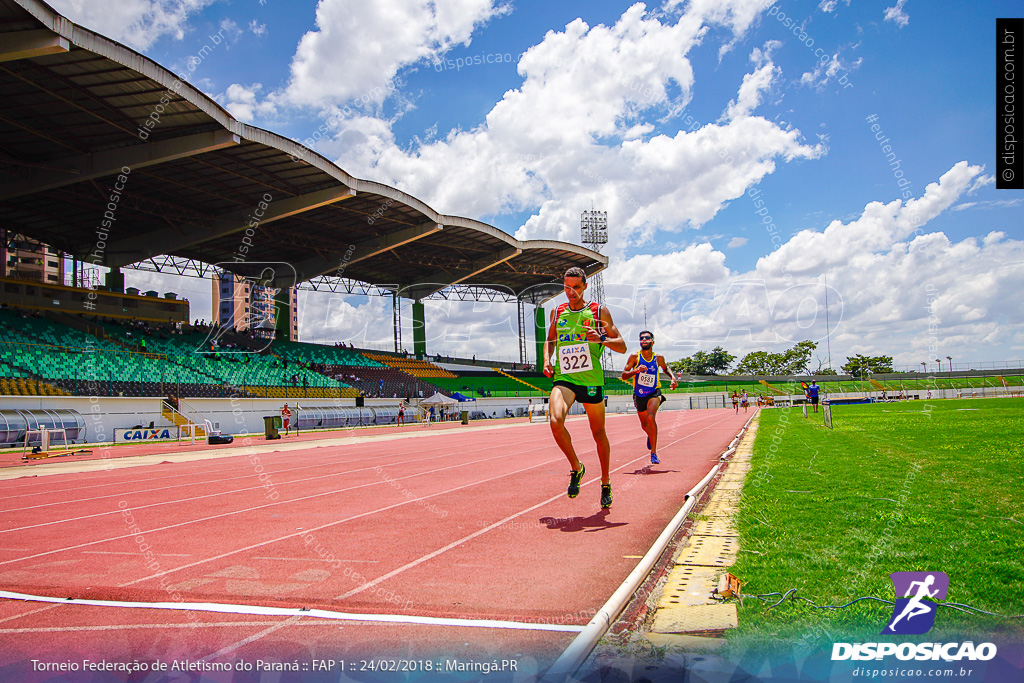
<point x="595" y="414"/>
<point x="652" y="423"/>
<point x="558" y="407"/>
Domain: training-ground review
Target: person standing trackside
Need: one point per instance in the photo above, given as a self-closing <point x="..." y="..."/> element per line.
<point x="401" y="414"/>
<point x="578" y="333"/>
<point x="812" y="394"/>
<point x="286" y="419"/>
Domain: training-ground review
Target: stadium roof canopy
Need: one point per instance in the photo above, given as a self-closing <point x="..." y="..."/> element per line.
<point x="79" y="110"/>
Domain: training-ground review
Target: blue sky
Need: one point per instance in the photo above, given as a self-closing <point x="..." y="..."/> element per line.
<point x="670" y="117"/>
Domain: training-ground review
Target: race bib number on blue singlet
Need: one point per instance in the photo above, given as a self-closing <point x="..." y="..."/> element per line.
<point x="646" y="379"/>
<point x="574" y="358"/>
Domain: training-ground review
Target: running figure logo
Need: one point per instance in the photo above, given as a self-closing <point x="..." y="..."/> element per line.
<point x="914" y="612"/>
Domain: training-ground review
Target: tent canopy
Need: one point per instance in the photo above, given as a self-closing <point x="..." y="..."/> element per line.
<point x="438" y="399"/>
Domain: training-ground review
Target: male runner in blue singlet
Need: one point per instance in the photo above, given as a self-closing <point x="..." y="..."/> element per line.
<point x="643" y="367"/>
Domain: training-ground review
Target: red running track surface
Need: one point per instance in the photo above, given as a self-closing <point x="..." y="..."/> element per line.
<point x="470" y="523"/>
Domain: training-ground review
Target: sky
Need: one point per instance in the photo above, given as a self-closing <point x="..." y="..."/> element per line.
<point x="772" y="171"/>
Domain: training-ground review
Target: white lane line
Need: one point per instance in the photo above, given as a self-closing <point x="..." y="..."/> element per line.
<point x="208" y="495"/>
<point x="251" y="639"/>
<point x="327" y="462"/>
<point x="315" y="559"/>
<point x="226" y="608"/>
<point x="335" y="523"/>
<point x="244" y="510"/>
<point x="25" y="614"/>
<point x="135" y="554"/>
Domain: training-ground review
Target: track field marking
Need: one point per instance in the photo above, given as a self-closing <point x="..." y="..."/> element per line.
<point x="25" y="614"/>
<point x="293" y="612"/>
<point x="253" y="638"/>
<point x="329" y="524"/>
<point x="329" y="460"/>
<point x="455" y="544"/>
<point x="250" y="509"/>
<point x="371" y="512"/>
<point x="205" y="482"/>
<point x="249" y="488"/>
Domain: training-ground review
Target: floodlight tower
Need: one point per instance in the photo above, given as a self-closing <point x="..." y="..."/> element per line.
<point x="594" y="234"/>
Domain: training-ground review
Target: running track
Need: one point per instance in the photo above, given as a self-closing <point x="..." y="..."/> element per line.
<point x="468" y="523"/>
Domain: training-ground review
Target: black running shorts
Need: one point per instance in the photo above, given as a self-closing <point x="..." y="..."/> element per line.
<point x="641" y="401"/>
<point x="583" y="394"/>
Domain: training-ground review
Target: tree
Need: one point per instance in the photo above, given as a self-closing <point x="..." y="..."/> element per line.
<point x="719" y="360"/>
<point x="793" y="361"/>
<point x="861" y="366"/>
<point x="704" y="363"/>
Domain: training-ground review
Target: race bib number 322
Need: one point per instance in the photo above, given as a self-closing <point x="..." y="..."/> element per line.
<point x="574" y="358"/>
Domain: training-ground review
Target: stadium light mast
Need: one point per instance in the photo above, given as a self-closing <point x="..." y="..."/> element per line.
<point x="594" y="235"/>
<point x="950" y="359"/>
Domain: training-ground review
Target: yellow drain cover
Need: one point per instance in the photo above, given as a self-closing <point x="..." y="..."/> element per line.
<point x="715" y="527"/>
<point x="710" y="551"/>
<point x="721" y="508"/>
<point x="679" y="643"/>
<point x="697" y="618"/>
<point x="686" y="585"/>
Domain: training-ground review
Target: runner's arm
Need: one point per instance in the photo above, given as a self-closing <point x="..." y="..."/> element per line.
<point x="664" y="366"/>
<point x="613" y="340"/>
<point x="630" y="370"/>
<point x="549" y="346"/>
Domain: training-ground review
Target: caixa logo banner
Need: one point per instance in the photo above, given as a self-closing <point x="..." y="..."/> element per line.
<point x="918" y="595"/>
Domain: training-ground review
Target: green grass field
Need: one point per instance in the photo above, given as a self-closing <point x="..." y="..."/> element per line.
<point x="913" y="486"/>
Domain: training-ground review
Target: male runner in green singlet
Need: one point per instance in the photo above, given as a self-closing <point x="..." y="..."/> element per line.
<point x="578" y="333"/>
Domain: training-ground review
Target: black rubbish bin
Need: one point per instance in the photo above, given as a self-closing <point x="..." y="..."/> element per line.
<point x="271" y="423"/>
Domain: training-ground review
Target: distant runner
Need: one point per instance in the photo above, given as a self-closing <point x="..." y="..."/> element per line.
<point x="577" y="334"/>
<point x="643" y="368"/>
<point x="286" y="418"/>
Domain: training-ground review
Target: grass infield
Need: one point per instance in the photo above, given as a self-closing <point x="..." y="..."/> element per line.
<point x="913" y="486"/>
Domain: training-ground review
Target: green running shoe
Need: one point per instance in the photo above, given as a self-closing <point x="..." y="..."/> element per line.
<point x="574" y="480"/>
<point x="606" y="496"/>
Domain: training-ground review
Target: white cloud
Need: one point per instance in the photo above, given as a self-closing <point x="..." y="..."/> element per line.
<point x="897" y="15"/>
<point x="754" y="84"/>
<point x="835" y="70"/>
<point x="137" y="23"/>
<point x="894" y="288"/>
<point x="736" y="242"/>
<point x="242" y="101"/>
<point x="829" y="6"/>
<point x="335" y="63"/>
<point x="578" y="129"/>
<point x="990" y="204"/>
<point x="257" y="28"/>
